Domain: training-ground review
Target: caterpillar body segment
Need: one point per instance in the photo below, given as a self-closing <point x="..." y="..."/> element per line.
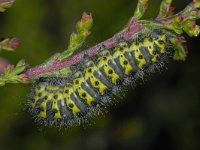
<point x="68" y="100"/>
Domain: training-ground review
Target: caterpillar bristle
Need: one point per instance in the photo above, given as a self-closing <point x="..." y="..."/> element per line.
<point x="67" y="101"/>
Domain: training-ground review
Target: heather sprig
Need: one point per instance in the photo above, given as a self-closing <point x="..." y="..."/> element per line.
<point x="184" y="21"/>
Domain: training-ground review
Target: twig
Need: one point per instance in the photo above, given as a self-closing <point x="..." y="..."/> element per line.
<point x="126" y="34"/>
<point x="175" y="23"/>
<point x="60" y="64"/>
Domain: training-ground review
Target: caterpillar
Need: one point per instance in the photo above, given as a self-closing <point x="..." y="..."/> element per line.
<point x="94" y="80"/>
<point x="69" y="100"/>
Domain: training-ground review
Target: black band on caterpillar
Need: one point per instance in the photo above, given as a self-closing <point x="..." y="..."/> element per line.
<point x="68" y="100"/>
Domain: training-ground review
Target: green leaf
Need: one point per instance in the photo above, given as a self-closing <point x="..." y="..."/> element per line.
<point x="9" y="44"/>
<point x="179" y="49"/>
<point x="13" y="74"/>
<point x="77" y="39"/>
<point x="141" y="8"/>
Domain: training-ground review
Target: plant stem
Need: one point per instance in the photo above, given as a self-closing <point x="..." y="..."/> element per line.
<point x="126" y="34"/>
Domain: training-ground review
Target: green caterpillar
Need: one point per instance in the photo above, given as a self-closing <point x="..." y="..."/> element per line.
<point x="59" y="100"/>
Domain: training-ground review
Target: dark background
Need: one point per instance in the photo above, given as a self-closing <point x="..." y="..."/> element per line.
<point x="163" y="113"/>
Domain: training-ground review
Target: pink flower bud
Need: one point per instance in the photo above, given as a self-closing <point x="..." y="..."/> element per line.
<point x="24" y="78"/>
<point x="14" y="43"/>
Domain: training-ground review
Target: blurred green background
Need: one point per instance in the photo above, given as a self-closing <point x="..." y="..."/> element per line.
<point x="161" y="114"/>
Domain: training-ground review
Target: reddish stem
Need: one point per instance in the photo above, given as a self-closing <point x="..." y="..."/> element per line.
<point x="126" y="34"/>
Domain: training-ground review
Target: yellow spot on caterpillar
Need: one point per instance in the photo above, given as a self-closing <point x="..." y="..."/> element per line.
<point x="39" y="94"/>
<point x="88" y="72"/>
<point x="82" y="93"/>
<point x="70" y="104"/>
<point x="56" y="110"/>
<point x="86" y="96"/>
<point x="67" y="92"/>
<point x="96" y="83"/>
<point x="126" y="65"/>
<point x="56" y="97"/>
<point x="77" y="82"/>
<point x="138" y="55"/>
<point x="43" y="113"/>
<point x="40" y="88"/>
<point x="119" y="53"/>
<point x="161" y="43"/>
<point x="52" y="88"/>
<point x="151" y="49"/>
<point x="32" y="105"/>
<point x="43" y="105"/>
<point x="58" y="115"/>
<point x="109" y="71"/>
<point x="35" y="98"/>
